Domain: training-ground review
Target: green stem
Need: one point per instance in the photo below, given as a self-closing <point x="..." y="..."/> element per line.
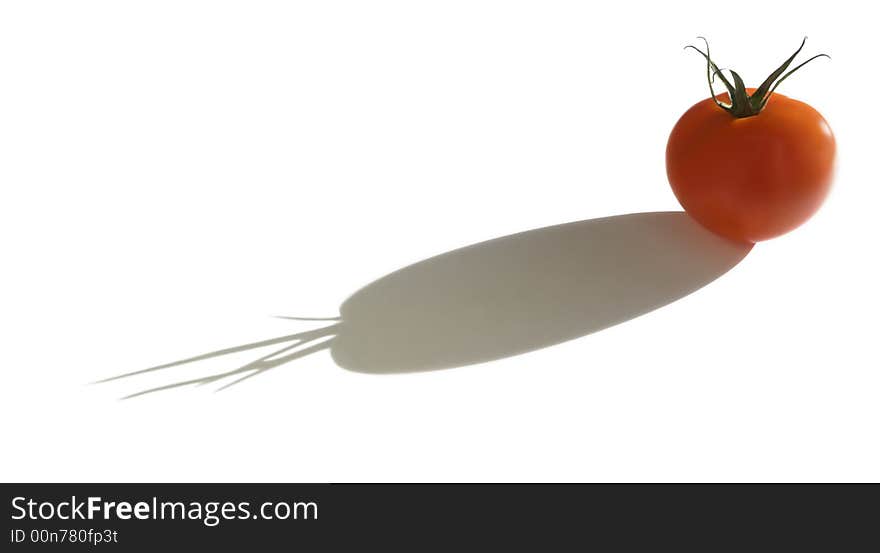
<point x="741" y="103"/>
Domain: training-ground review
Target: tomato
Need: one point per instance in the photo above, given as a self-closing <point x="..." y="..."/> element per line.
<point x="753" y="171"/>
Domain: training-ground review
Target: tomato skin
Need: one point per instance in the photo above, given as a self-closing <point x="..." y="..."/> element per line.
<point x="751" y="178"/>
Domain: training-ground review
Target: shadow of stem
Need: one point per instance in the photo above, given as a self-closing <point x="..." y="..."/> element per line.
<point x="274" y="359"/>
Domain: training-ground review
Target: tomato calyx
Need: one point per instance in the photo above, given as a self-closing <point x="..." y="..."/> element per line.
<point x="741" y="103"/>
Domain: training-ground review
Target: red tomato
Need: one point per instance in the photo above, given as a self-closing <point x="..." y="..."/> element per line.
<point x="751" y="177"/>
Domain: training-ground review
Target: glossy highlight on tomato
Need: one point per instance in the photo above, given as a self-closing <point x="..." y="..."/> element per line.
<point x="750" y="164"/>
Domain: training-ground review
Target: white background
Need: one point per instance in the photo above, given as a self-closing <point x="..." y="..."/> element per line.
<point x="175" y="172"/>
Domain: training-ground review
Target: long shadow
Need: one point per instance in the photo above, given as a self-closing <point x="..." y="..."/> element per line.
<point x="503" y="297"/>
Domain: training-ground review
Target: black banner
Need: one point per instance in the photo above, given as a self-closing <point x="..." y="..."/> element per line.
<point x="134" y="517"/>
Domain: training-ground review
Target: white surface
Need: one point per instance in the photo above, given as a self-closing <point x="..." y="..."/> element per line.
<point x="173" y="173"/>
